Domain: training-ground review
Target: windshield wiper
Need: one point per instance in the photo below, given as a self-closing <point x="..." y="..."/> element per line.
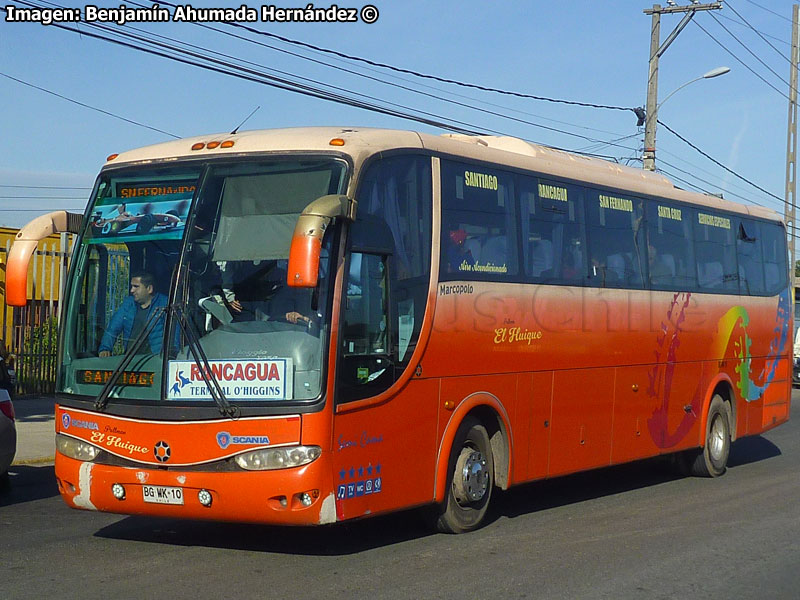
<point x="195" y="348"/>
<point x="127" y="358"/>
<point x="201" y="360"/>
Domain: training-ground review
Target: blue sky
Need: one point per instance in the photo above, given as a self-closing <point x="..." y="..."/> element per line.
<point x="582" y="50"/>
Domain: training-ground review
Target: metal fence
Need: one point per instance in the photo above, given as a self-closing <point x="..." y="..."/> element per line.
<point x="31" y="332"/>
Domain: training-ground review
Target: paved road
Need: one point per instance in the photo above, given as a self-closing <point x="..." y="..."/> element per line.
<point x="626" y="532"/>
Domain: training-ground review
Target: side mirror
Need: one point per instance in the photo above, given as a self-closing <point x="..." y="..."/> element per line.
<point x="306" y="245"/>
<point x="25" y="244"/>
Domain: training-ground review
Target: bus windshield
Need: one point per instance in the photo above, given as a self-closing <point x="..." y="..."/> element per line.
<point x="198" y="253"/>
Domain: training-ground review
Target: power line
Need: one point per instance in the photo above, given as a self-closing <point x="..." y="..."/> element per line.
<point x="715" y="161"/>
<point x="741" y="24"/>
<point x="289" y="84"/>
<point x="758" y="33"/>
<point x="719" y="187"/>
<point x="100" y="110"/>
<point x="376" y="79"/>
<point x="769" y="11"/>
<point x="753" y="54"/>
<point x="735" y="184"/>
<point x="284" y="73"/>
<point x="264" y="79"/>
<point x="740" y="61"/>
<point x="418" y="74"/>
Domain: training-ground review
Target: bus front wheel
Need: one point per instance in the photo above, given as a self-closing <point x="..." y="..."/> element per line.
<point x="712" y="459"/>
<point x="470" y="479"/>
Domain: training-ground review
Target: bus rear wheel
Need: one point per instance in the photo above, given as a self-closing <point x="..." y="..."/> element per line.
<point x="470" y="480"/>
<point x="712" y="459"/>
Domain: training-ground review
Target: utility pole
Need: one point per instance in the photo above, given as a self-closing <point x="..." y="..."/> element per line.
<point x="649" y="157"/>
<point x="791" y="149"/>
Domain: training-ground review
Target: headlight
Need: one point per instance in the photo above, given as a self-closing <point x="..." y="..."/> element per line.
<point x="278" y="458"/>
<point x="76" y="448"/>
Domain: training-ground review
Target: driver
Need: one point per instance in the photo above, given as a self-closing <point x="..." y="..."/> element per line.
<point x="250" y="288"/>
<point x="132" y="316"/>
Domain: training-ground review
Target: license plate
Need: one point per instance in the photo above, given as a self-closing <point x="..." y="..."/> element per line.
<point x="162" y="494"/>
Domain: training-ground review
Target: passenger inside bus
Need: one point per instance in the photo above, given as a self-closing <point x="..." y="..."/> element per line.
<point x="459" y="256"/>
<point x="661" y="271"/>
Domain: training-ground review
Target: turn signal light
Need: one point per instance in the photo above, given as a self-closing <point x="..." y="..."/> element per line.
<point x="212" y="145"/>
<point x="112" y="156"/>
<point x="336" y="142"/>
<point x="198" y="146"/>
<point x="227" y="144"/>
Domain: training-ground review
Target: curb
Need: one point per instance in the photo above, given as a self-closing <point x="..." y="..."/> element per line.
<point x="33" y="461"/>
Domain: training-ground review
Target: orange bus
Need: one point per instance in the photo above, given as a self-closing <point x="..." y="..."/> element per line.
<point x="305" y="326"/>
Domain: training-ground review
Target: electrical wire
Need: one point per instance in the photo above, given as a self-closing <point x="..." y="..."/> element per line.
<point x="758" y="33"/>
<point x="126" y="33"/>
<point x="705" y="191"/>
<point x="741" y="24"/>
<point x="734" y="184"/>
<point x="753" y="54"/>
<point x="769" y="11"/>
<point x="739" y="60"/>
<point x="280" y="83"/>
<point x="100" y="110"/>
<point x="416" y="73"/>
<point x="286" y="74"/>
<point x="377" y="79"/>
<point x="715" y="161"/>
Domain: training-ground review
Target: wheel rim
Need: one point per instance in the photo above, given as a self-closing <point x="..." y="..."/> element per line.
<point x="471" y="479"/>
<point x="716" y="439"/>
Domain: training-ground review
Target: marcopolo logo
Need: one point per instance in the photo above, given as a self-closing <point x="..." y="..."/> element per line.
<point x="67" y="421"/>
<point x="225" y="439"/>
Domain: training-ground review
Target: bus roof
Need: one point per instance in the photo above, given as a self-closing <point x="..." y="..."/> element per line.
<point x="361" y="142"/>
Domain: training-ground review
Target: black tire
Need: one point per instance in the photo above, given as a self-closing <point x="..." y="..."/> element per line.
<point x="712" y="459"/>
<point x="470" y="480"/>
<point x="5" y="482"/>
<point x="146" y="223"/>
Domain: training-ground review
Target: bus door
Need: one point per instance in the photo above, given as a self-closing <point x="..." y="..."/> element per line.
<point x="385" y="416"/>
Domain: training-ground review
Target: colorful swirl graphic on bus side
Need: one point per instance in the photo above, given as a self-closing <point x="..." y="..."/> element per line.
<point x="733" y="324"/>
<point x="668" y="342"/>
<point x="737" y="318"/>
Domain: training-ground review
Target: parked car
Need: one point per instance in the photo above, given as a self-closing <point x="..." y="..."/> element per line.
<point x="8" y="436"/>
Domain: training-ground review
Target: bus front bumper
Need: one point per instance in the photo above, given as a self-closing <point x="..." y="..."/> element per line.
<point x="296" y="496"/>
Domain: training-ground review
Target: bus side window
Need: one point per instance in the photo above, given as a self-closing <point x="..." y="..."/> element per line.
<point x="616" y="240"/>
<point x="776" y="268"/>
<point x="749" y="254"/>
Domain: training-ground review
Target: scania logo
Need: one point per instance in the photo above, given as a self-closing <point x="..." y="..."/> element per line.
<point x="161" y="451"/>
<point x="66" y="420"/>
<point x="223" y="439"/>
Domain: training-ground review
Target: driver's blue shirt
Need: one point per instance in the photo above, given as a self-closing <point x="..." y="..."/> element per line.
<point x="122" y="322"/>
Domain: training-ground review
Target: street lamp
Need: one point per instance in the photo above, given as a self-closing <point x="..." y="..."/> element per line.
<point x="652" y="118"/>
<point x="710" y="75"/>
